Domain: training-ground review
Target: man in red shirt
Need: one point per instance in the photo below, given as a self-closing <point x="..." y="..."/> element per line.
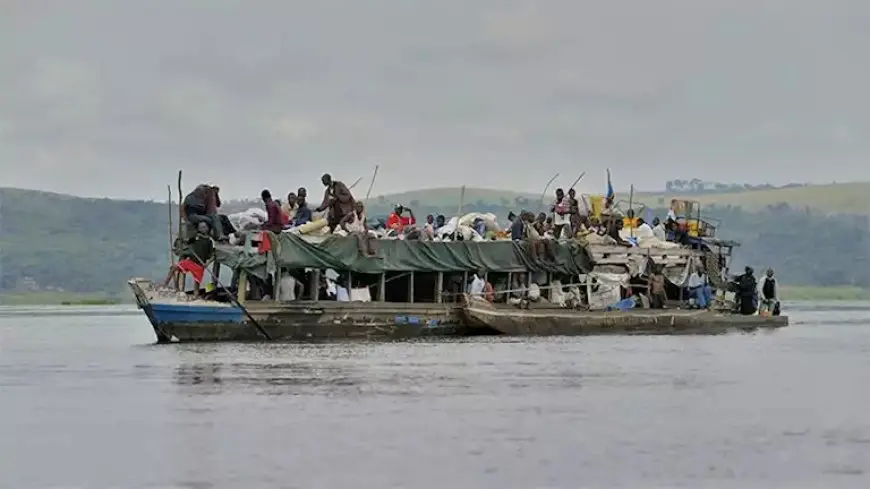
<point x="274" y="220"/>
<point x="397" y="221"/>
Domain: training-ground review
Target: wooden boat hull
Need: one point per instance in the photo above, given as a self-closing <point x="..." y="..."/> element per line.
<point x="203" y="321"/>
<point x="515" y="322"/>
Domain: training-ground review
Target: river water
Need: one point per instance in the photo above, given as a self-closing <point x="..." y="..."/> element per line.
<point x="87" y="401"/>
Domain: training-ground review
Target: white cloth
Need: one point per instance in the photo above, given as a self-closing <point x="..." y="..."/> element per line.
<point x="643" y="231"/>
<point x="476" y="287"/>
<point x="672" y="214"/>
<point x="695" y="280"/>
<point x="660" y="233"/>
<point x="287" y="290"/>
<point x="341" y="294"/>
<point x="362" y="294"/>
<point x="534" y="291"/>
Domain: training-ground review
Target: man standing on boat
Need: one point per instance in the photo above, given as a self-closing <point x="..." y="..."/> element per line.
<point x="337" y="198"/>
<point x="747" y="293"/>
<point x="769" y="300"/>
<point x="699" y="290"/>
<point x="274" y="221"/>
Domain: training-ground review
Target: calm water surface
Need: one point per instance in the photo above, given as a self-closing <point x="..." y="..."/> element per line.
<point x="87" y="401"/>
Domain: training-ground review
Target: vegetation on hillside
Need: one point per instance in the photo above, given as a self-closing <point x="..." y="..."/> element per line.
<point x="58" y="243"/>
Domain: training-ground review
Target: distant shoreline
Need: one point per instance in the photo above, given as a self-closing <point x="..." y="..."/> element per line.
<point x="787" y="292"/>
<point x="61" y="299"/>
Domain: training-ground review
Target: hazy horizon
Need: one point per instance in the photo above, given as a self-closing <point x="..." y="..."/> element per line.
<point x="110" y="99"/>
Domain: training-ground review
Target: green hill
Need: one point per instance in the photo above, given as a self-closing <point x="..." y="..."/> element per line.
<point x="834" y="198"/>
<point x="70" y="245"/>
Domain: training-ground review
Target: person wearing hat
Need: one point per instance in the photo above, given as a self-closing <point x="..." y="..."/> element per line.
<point x="397" y="222"/>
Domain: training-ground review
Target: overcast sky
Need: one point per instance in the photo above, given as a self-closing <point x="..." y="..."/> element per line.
<point x="111" y="98"/>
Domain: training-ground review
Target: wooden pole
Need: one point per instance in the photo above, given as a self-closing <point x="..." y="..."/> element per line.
<point x="169" y="205"/>
<point x="179" y="280"/>
<point x="354" y="183"/>
<point x="577" y="181"/>
<point x="631" y="220"/>
<point x="371" y="185"/>
<point x="461" y="205"/>
<point x="544" y="193"/>
<point x="180" y="208"/>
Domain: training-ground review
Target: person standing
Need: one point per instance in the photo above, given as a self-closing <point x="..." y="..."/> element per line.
<point x="274" y="220"/>
<point x="337" y="199"/>
<point x="747" y="293"/>
<point x="769" y="300"/>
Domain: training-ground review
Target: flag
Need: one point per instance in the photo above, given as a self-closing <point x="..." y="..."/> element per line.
<point x="609" y="196"/>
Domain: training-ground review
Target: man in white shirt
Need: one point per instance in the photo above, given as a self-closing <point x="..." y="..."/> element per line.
<point x="642" y="230"/>
<point x="477" y="285"/>
<point x="659" y="230"/>
<point x="699" y="290"/>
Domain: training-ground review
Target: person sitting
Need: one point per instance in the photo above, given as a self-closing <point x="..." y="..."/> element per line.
<point x="613" y="231"/>
<point x="538" y="247"/>
<point x="274" y="220"/>
<point x="303" y="212"/>
<point x="397" y="221"/>
<point x="643" y="230"/>
<point x="355" y="225"/>
<point x="659" y="230"/>
<point x="290" y="207"/>
<point x="285" y="217"/>
<point x="199" y="250"/>
<point x="488" y="292"/>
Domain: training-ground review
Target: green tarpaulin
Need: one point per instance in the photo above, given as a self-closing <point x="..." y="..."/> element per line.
<point x="341" y="253"/>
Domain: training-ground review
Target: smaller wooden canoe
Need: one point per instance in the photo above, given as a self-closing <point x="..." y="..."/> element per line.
<point x="552" y="321"/>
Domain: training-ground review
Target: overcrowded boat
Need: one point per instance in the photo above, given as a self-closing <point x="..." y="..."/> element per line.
<point x="289" y="273"/>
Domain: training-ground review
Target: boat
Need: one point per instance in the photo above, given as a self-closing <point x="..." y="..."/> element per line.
<point x="175" y="320"/>
<point x="511" y="321"/>
<point x="416" y="289"/>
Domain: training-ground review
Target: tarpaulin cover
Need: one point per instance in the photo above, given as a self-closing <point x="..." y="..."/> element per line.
<point x="341" y="253"/>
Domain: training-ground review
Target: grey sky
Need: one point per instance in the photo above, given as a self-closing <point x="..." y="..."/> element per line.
<point x="112" y="97"/>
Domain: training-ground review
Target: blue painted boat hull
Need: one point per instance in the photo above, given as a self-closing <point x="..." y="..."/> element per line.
<point x="195" y="314"/>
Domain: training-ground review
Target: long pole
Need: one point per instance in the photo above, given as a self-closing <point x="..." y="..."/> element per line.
<point x="354" y="183"/>
<point x="461" y="205"/>
<point x="631" y="220"/>
<point x="371" y="185"/>
<point x="179" y="280"/>
<point x="577" y="181"/>
<point x="233" y="299"/>
<point x="550" y="182"/>
<point x="169" y="206"/>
